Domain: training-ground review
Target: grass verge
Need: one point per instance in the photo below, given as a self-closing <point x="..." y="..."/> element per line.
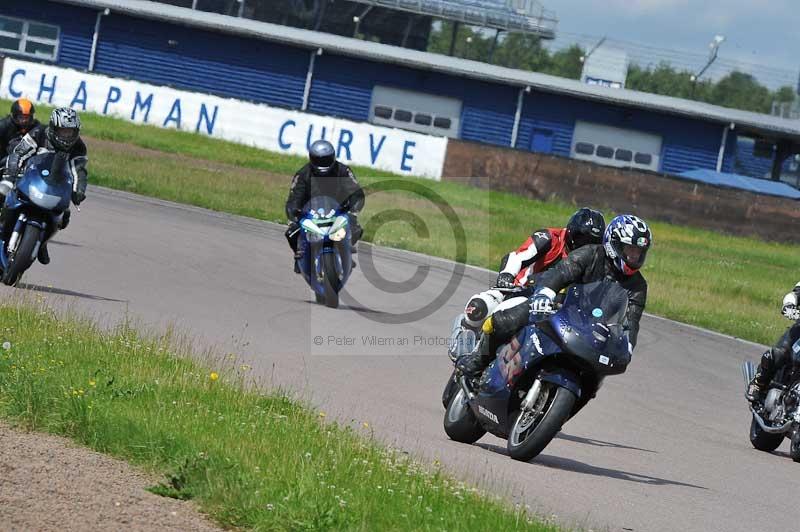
<point x="729" y="284"/>
<point x="250" y="460"/>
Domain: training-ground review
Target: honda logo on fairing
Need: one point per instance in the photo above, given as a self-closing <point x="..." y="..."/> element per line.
<point x="486" y="413"/>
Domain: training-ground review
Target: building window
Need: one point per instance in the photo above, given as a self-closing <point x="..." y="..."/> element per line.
<point x="442" y="123"/>
<point x="383" y="112"/>
<point x="605" y="152"/>
<point x="416" y="111"/>
<point x="584" y="148"/>
<point x="402" y="116"/>
<point x="624" y="155"/>
<point x="643" y="158"/>
<point x="28" y="38"/>
<point x="422" y="119"/>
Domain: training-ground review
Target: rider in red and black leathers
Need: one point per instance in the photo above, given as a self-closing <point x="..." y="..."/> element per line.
<point x="625" y="244"/>
<point x="323" y="176"/>
<point x="543" y="249"/>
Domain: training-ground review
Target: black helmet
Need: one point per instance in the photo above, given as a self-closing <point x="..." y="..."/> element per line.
<point x="64" y="128"/>
<point x="322" y="157"/>
<point x="626" y="240"/>
<point x="586" y="226"/>
<point x="22" y="112"/>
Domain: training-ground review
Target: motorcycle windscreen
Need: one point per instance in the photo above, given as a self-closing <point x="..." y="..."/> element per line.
<point x="47" y="182"/>
<point x="591" y="325"/>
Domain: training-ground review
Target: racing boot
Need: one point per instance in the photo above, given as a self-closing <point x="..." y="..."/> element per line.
<point x="758" y="386"/>
<point x="297" y="256"/>
<point x="43" y="256"/>
<point x="473" y="364"/>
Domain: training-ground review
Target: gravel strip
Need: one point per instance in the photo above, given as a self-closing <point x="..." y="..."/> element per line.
<point x="47" y="483"/>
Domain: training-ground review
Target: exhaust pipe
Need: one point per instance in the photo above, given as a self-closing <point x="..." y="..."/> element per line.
<point x="748" y="372"/>
<point x="767" y="428"/>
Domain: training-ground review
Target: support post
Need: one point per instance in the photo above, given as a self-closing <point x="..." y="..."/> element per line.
<point x="518" y="115"/>
<point x="309" y="77"/>
<point x="722" y="145"/>
<point x="96" y="37"/>
<point x="453" y="37"/>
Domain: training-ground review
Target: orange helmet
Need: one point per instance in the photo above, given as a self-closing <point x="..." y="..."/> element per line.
<point x="22" y="112"/>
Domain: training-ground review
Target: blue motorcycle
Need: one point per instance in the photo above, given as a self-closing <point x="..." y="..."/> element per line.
<point x="35" y="206"/>
<point x="325" y="243"/>
<point x="545" y="374"/>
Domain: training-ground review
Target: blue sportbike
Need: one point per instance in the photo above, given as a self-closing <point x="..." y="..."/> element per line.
<point x="325" y="243"/>
<point x="35" y="207"/>
<point x="545" y="374"/>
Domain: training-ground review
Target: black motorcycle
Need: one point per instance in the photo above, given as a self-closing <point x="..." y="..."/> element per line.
<point x="778" y="416"/>
<point x="545" y="374"/>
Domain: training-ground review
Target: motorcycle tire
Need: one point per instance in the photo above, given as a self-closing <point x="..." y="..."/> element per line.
<point x="794" y="448"/>
<point x="330" y="280"/>
<point x="556" y="412"/>
<point x="762" y="440"/>
<point x="460" y="423"/>
<point x="319" y="298"/>
<point x="22" y="258"/>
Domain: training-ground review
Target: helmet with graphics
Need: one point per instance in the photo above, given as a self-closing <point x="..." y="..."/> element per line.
<point x="626" y="241"/>
<point x="64" y="128"/>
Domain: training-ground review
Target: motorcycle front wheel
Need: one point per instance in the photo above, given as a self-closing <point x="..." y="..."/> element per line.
<point x="460" y="423"/>
<point x="22" y="258"/>
<point x="762" y="440"/>
<point x="533" y="429"/>
<point x="331" y="280"/>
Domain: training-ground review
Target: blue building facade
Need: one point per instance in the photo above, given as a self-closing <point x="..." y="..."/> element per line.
<point x="258" y="69"/>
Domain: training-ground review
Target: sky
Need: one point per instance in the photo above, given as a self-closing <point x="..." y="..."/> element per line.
<point x="763" y="33"/>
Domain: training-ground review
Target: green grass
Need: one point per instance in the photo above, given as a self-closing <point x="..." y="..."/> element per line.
<point x="256" y="461"/>
<point x="729" y="284"/>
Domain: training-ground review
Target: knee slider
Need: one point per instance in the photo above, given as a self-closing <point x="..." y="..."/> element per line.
<point x="478" y="308"/>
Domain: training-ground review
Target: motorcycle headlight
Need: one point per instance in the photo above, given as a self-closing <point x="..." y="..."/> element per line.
<point x="339" y="235"/>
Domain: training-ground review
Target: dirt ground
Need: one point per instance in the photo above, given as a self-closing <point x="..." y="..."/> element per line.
<point x="47" y="483"/>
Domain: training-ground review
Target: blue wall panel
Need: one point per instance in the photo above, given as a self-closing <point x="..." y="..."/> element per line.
<point x="343" y="87"/>
<point x="687" y="144"/>
<point x="76" y="23"/>
<point x="199" y="60"/>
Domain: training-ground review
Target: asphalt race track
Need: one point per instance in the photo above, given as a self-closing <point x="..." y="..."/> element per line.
<point x="663" y="447"/>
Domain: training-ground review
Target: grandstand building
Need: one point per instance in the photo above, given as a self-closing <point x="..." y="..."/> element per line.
<point x="366" y="81"/>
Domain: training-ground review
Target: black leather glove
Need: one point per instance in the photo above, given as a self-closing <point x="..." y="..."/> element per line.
<point x="78" y="197"/>
<point x="505" y="280"/>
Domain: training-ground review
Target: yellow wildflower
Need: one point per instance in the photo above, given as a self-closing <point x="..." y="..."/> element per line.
<point x="214" y="376"/>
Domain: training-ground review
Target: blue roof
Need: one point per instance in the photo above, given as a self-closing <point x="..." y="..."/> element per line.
<point x="751" y="184"/>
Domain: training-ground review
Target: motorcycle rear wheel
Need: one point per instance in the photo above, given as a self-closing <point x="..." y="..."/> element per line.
<point x="762" y="440"/>
<point x="460" y="423"/>
<point x="534" y="429"/>
<point x="22" y="258"/>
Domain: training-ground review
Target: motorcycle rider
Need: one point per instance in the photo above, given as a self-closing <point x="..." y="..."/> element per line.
<point x="626" y="241"/>
<point x="19" y="121"/>
<point x="779" y="354"/>
<point x="543" y="249"/>
<point x="62" y="136"/>
<point x="323" y="175"/>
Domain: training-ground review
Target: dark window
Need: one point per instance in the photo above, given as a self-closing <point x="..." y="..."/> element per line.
<point x="402" y="116"/>
<point x="584" y="148"/>
<point x="41" y="49"/>
<point x="624" y="155"/>
<point x="42" y="30"/>
<point x="10" y="25"/>
<point x="605" y="152"/>
<point x="9" y="43"/>
<point x="423" y="120"/>
<point x="383" y="112"/>
<point x="442" y="122"/>
<point x="643" y="158"/>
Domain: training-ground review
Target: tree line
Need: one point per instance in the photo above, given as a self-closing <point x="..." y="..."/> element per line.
<point x="738" y="90"/>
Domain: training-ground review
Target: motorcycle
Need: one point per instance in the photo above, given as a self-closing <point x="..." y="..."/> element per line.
<point x="545" y="374"/>
<point x="37" y="202"/>
<point x="778" y="416"/>
<point x="325" y="243"/>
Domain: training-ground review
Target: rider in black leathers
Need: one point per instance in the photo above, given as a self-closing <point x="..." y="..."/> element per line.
<point x="19" y="121"/>
<point x="779" y="354"/>
<point x="323" y="176"/>
<point x="625" y="245"/>
<point x="62" y="135"/>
